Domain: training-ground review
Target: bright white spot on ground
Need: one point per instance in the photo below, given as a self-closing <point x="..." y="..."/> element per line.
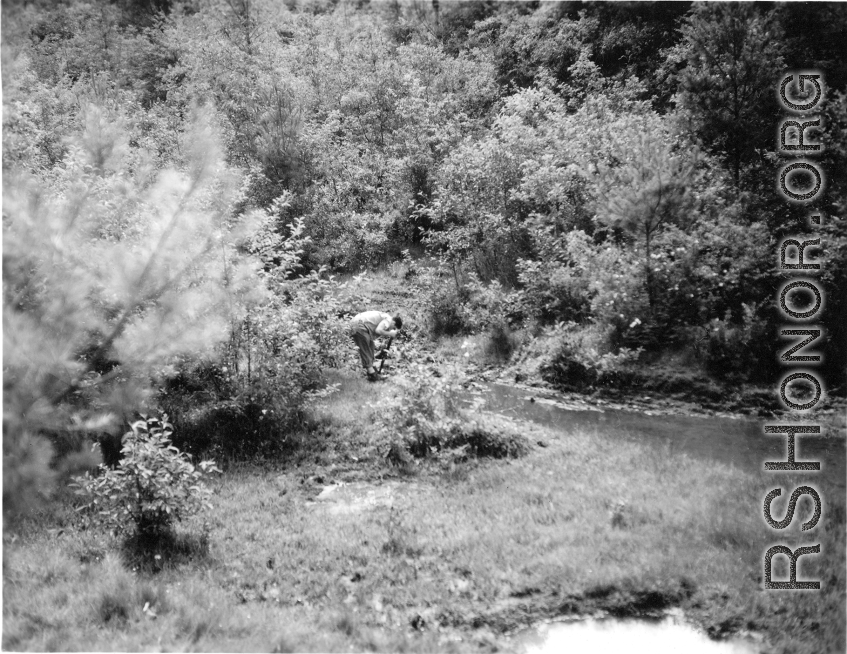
<point x="668" y="636"/>
<point x="359" y="496"/>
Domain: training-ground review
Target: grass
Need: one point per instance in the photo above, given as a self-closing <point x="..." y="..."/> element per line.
<point x="463" y="554"/>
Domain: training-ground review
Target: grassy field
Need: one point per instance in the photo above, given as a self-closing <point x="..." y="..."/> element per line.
<point x="448" y="554"/>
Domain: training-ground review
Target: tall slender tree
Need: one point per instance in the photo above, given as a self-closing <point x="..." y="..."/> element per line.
<point x="734" y="52"/>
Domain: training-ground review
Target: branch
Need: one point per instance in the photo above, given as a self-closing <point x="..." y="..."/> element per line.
<point x="119" y="326"/>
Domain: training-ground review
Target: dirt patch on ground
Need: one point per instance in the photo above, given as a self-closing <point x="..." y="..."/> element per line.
<point x="358" y="497"/>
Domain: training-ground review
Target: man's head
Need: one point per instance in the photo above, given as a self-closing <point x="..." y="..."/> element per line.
<point x="398" y="322"/>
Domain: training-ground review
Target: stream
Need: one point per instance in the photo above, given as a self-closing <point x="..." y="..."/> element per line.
<point x="739" y="442"/>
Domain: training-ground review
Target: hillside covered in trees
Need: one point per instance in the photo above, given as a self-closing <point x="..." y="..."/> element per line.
<point x="183" y="179"/>
<point x="198" y="195"/>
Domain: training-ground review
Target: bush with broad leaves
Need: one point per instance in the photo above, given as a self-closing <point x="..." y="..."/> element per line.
<point x="154" y="486"/>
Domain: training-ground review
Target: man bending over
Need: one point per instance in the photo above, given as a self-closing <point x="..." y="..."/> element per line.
<point x="363" y="329"/>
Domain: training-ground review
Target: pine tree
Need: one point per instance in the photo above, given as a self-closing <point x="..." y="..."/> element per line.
<point x="734" y="53"/>
<point x="110" y="270"/>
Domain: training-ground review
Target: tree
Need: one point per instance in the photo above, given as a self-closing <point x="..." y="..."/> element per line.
<point x="733" y="54"/>
<point x="110" y="269"/>
<point x="651" y="189"/>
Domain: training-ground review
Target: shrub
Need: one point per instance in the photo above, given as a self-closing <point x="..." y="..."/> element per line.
<point x="235" y="429"/>
<point x="428" y="405"/>
<point x="551" y="290"/>
<point x="501" y="342"/>
<point x="430" y="421"/>
<point x="485" y="304"/>
<point x="154" y="485"/>
<point x="739" y="352"/>
<point x="446" y="314"/>
<point x="404" y="268"/>
<point x="242" y="404"/>
<point x="491" y="436"/>
<point x="463" y="305"/>
<point x="585" y="358"/>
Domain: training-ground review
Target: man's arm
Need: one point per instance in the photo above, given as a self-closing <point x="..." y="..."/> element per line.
<point x="385" y="328"/>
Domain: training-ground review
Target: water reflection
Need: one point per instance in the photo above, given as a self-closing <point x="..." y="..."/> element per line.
<point x="667" y="636"/>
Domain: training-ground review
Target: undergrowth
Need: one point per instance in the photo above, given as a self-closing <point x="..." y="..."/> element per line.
<point x="429" y="420"/>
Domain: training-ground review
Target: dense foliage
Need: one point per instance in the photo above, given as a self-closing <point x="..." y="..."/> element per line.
<point x="183" y="179"/>
<point x="153" y="487"/>
<point x="428" y="420"/>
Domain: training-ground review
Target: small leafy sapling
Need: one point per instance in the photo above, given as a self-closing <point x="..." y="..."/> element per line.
<point x="154" y="486"/>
